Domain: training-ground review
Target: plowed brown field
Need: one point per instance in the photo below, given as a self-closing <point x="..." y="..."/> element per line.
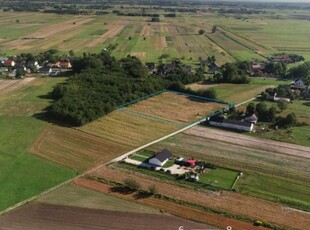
<point x="52" y="217"/>
<point x="229" y="201"/>
<point x="176" y="209"/>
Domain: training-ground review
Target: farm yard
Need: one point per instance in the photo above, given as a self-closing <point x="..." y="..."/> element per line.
<point x="262" y="161"/>
<point x="178" y="37"/>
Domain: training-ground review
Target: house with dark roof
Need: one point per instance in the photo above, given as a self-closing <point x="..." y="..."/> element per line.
<point x="231" y="124"/>
<point x="160" y="158"/>
<point x="298" y="84"/>
<point x="252" y="119"/>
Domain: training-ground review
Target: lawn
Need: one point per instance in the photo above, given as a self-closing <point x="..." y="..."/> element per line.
<point x="223" y="178"/>
<point x="275" y="189"/>
<point x="24" y="175"/>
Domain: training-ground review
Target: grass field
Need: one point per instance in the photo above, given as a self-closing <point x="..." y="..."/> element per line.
<point x="235" y="39"/>
<point x="176" y="107"/>
<point x="22" y="174"/>
<point x="238" y="93"/>
<point x="219" y="177"/>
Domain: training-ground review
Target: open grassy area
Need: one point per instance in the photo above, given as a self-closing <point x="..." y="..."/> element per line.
<point x="238" y="93"/>
<point x="219" y="177"/>
<point x="22" y="174"/>
<point x="275" y="189"/>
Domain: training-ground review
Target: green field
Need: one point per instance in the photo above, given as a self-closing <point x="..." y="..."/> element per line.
<point x="219" y="177"/>
<point x="238" y="93"/>
<point x="24" y="175"/>
<point x="275" y="189"/>
<point x="256" y="37"/>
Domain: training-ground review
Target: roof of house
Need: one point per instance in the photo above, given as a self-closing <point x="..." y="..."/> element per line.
<point x="191" y="161"/>
<point x="251" y="118"/>
<point x="163" y="155"/>
<point x="240" y="123"/>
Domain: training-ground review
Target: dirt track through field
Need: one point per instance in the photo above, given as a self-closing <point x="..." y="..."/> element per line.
<point x="113" y="31"/>
<point x="257" y="143"/>
<point x="51" y="217"/>
<point x="10" y="85"/>
<point x="229" y="201"/>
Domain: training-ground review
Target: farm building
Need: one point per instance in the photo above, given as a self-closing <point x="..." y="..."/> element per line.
<point x="185" y="162"/>
<point x="252" y="119"/>
<point x="275" y="98"/>
<point x="160" y="158"/>
<point x="231" y="124"/>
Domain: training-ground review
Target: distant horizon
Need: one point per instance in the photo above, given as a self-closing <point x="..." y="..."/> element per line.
<point x="266" y="1"/>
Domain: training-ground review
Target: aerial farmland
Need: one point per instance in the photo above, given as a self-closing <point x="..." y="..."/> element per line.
<point x="106" y="114"/>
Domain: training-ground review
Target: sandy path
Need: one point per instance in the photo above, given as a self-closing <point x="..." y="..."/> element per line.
<point x="48" y="32"/>
<point x="257" y="143"/>
<point x="114" y="30"/>
<point x="230" y="201"/>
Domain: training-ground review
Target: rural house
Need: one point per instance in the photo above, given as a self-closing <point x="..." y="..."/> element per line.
<point x="160" y="158"/>
<point x="298" y="84"/>
<point x="251" y="119"/>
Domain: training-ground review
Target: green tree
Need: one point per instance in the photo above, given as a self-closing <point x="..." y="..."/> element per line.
<point x="132" y="184"/>
<point x="201" y="31"/>
<point x="153" y="189"/>
<point x="214" y="29"/>
<point x="250" y="109"/>
<point x="282" y="105"/>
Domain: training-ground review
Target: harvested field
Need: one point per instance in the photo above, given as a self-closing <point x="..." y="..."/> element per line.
<point x="40" y="216"/>
<point x="10" y="85"/>
<point x="114" y="30"/>
<point x="73" y="148"/>
<point x="173" y="208"/>
<point x="229" y="201"/>
<point x="73" y="195"/>
<point x="176" y="107"/>
<point x="146" y="31"/>
<point x="128" y="129"/>
<point x="241" y="152"/>
<point x="48" y="31"/>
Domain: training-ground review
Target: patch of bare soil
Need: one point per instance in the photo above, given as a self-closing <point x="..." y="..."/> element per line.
<point x="230" y="201"/>
<point x="52" y="217"/>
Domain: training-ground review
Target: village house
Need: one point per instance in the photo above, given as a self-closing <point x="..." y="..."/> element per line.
<point x="150" y="66"/>
<point x="63" y="64"/>
<point x="298" y="84"/>
<point x="251" y="119"/>
<point x="160" y="158"/>
<point x="45" y="70"/>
